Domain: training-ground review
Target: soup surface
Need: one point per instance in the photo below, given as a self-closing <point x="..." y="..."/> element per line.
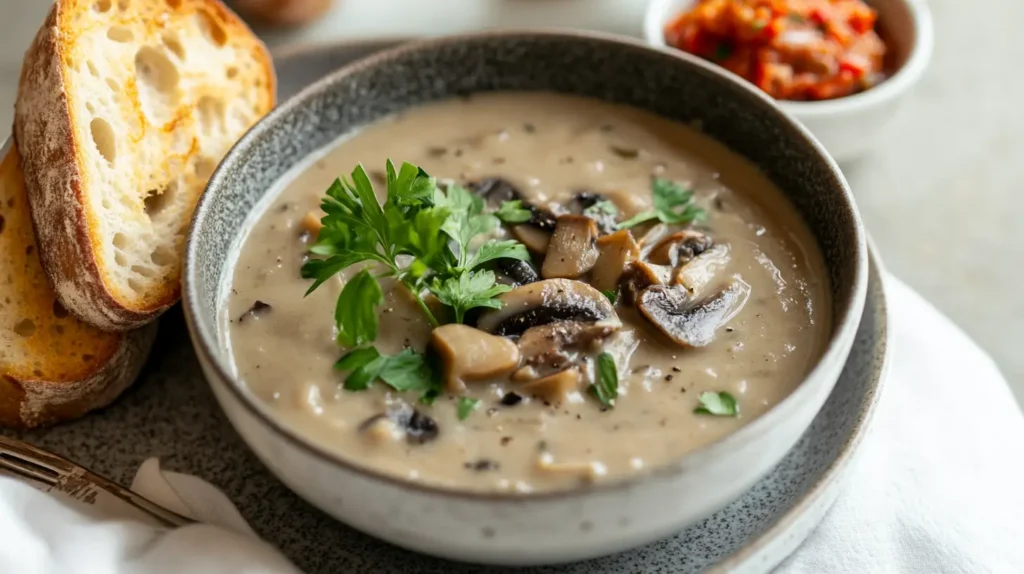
<point x="743" y="313"/>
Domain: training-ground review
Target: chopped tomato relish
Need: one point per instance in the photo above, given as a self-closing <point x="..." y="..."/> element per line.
<point x="791" y="49"/>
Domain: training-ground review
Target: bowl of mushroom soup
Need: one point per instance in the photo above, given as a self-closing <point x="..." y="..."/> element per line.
<point x="544" y="290"/>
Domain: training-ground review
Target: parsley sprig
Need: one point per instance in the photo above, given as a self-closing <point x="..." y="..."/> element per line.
<point x="423" y="237"/>
<point x="673" y="204"/>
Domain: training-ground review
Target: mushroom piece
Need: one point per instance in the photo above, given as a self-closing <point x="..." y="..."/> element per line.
<point x="679" y="248"/>
<point x="697" y="274"/>
<point x="546" y="345"/>
<point x="496" y="191"/>
<point x="534" y="238"/>
<point x="555" y="388"/>
<point x="470" y="354"/>
<point x="518" y="272"/>
<point x="545" y="302"/>
<point x="573" y="248"/>
<point x="401" y="419"/>
<point x="689" y="321"/>
<point x="615" y="252"/>
<point x="640" y="275"/>
<point x="653" y="236"/>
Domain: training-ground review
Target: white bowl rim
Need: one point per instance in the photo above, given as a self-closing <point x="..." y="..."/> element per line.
<point x="906" y="75"/>
<point x="833" y="357"/>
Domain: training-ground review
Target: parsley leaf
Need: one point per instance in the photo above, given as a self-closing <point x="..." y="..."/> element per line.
<point x="358" y="228"/>
<point x="467" y="219"/>
<point x="495" y="249"/>
<point x="606" y="389"/>
<point x="356" y="310"/>
<point x="406" y="371"/>
<point x="469" y="290"/>
<point x="668" y="198"/>
<point x="603" y="208"/>
<point x="356" y="358"/>
<point x="720" y="404"/>
<point x="466" y="406"/>
<point x="513" y="212"/>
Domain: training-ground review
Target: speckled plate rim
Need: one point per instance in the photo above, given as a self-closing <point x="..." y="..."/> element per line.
<point x="770" y="547"/>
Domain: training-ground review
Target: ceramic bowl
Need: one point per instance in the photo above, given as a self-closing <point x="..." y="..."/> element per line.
<point x="545" y="527"/>
<point x="847" y="127"/>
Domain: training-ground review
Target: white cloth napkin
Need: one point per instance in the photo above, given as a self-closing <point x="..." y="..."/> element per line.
<point x="938" y="486"/>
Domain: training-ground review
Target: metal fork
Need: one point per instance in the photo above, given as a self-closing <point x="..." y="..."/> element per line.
<point x="57" y="473"/>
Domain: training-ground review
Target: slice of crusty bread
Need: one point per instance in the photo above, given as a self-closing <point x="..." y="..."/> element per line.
<point x="124" y="109"/>
<point x="53" y="367"/>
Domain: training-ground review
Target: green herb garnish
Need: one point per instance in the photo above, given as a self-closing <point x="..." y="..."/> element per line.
<point x="603" y="208"/>
<point x="513" y="212"/>
<point x="673" y="204"/>
<point x="356" y="310"/>
<point x="611" y="294"/>
<point x="606" y="389"/>
<point x="422" y="237"/>
<point x="466" y="406"/>
<point x="406" y="371"/>
<point x="470" y="290"/>
<point x="720" y="404"/>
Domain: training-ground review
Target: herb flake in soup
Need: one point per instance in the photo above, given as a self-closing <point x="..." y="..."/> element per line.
<point x="524" y="292"/>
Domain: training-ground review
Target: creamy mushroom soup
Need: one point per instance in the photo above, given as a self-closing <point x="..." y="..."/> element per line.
<point x="585" y="292"/>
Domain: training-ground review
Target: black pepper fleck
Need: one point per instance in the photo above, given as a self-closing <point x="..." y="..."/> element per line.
<point x="511" y="399"/>
<point x="668" y="377"/>
<point x="505" y="440"/>
<point x="482" y="465"/>
<point x="529" y="128"/>
<point x="676" y="370"/>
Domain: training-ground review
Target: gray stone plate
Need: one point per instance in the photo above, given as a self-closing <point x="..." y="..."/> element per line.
<point x="170" y="413"/>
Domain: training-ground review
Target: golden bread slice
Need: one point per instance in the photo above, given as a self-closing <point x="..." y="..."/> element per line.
<point x="53" y="367"/>
<point x="124" y="109"/>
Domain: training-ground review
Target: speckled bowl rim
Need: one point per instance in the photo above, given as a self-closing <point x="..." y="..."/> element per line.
<point x="844" y="328"/>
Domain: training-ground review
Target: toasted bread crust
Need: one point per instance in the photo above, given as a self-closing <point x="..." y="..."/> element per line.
<point x="62" y="369"/>
<point x="59" y="184"/>
<point x="34" y="402"/>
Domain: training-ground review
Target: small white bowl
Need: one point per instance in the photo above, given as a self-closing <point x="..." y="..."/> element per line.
<point x="847" y="126"/>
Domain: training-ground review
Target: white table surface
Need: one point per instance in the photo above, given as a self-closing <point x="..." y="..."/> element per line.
<point x="942" y="196"/>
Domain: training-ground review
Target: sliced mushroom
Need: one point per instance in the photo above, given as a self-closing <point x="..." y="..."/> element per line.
<point x="679" y="248"/>
<point x="518" y="272"/>
<point x="689" y="321"/>
<point x="555" y="388"/>
<point x="546" y="345"/>
<point x="701" y="271"/>
<point x="615" y="252"/>
<point x="470" y="354"/>
<point x="653" y="236"/>
<point x="573" y="248"/>
<point x="401" y="419"/>
<point x="534" y="238"/>
<point x="545" y="302"/>
<point x="640" y="275"/>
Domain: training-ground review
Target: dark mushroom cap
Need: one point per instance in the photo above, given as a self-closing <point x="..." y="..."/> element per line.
<point x="545" y="302"/>
<point x="520" y="272"/>
<point x="688" y="321"/>
<point x="418" y="427"/>
<point x="497" y="191"/>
